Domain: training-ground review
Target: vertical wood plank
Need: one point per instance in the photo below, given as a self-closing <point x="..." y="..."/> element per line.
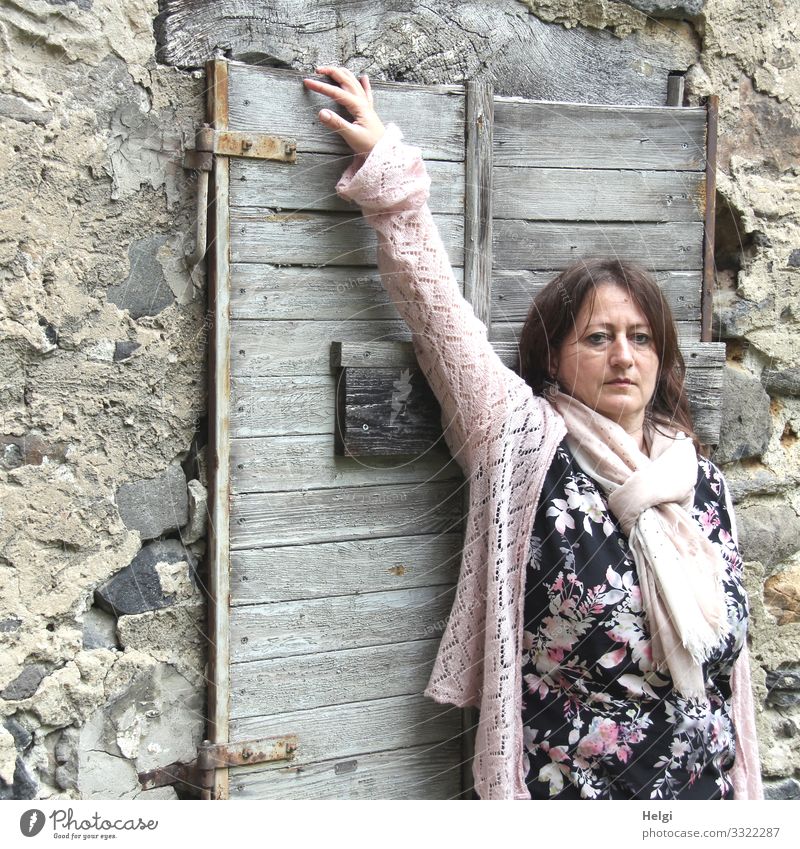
<point x="707" y="303"/>
<point x="219" y="437"/>
<point x="478" y="198"/>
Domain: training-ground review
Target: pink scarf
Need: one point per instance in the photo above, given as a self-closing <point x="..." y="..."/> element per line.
<point x="680" y="572"/>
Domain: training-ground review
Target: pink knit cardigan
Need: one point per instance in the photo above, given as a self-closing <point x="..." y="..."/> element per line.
<point x="504" y="438"/>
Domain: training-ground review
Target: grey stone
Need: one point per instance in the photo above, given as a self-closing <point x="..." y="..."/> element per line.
<point x="173" y="723"/>
<point x="137" y="587"/>
<point x="198" y="512"/>
<point x="789" y="788"/>
<point x="123" y="350"/>
<point x="734" y="317"/>
<point x="26" y="683"/>
<point x="144" y="291"/>
<point x="158" y="793"/>
<point x="66" y="755"/>
<point x="782" y="382"/>
<point x="746" y="419"/>
<point x="99" y="630"/>
<point x="24" y="786"/>
<point x="794" y="258"/>
<point x="155" y="506"/>
<point x="760" y="483"/>
<point x="668" y="8"/>
<point x="22" y="737"/>
<point x="768" y="533"/>
<point x="102" y="775"/>
<point x="7" y="625"/>
<point x="783" y="686"/>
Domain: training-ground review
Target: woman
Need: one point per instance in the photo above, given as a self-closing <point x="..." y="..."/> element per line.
<point x="599" y="621"/>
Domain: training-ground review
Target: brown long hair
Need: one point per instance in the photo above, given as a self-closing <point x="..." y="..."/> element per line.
<point x="553" y="313"/>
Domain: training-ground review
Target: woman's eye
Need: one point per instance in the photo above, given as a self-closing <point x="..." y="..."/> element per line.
<point x="596" y="338"/>
<point x="641" y="338"/>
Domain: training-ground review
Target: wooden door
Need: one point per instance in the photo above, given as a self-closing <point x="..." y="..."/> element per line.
<point x="333" y="576"/>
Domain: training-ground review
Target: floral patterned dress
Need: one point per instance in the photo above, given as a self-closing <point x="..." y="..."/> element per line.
<point x="598" y="722"/>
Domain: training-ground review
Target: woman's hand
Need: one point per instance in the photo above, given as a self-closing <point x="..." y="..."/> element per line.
<point x="356" y="96"/>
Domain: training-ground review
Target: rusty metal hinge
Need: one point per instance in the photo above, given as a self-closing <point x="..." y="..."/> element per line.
<point x="209" y="142"/>
<point x="197" y="778"/>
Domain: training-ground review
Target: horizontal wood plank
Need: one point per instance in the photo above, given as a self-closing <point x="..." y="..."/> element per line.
<point x="579" y="194"/>
<point x="294" y="628"/>
<point x="281" y="348"/>
<point x="284" y="463"/>
<point x="310" y="184"/>
<point x="577" y="135"/>
<point x="513" y="292"/>
<point x="276" y="101"/>
<point x="273" y="292"/>
<point x="320" y="238"/>
<point x="423" y="772"/>
<point x="264" y="687"/>
<point x="289" y="572"/>
<point x="274" y="406"/>
<point x="341" y="731"/>
<point x="292" y="518"/>
<point x="545" y="245"/>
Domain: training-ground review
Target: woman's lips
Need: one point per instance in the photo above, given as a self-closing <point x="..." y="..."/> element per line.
<point x="621" y="382"/>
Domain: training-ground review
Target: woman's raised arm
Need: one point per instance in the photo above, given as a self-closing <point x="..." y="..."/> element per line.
<point x="388" y="180"/>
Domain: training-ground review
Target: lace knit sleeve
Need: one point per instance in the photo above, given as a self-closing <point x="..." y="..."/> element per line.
<point x="472" y="385"/>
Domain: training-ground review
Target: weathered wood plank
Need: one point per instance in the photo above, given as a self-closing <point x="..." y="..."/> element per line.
<point x="545" y="245"/>
<point x="478" y="202"/>
<point x="292" y="518"/>
<point x="273" y="406"/>
<point x="294" y="628"/>
<point x="278" y="348"/>
<point x="570" y="135"/>
<point x="579" y="194"/>
<point x="311" y="184"/>
<point x="318" y="238"/>
<point x="422" y="772"/>
<point x="276" y="99"/>
<point x="270" y="291"/>
<point x="324" y="569"/>
<point x="514" y="291"/>
<point x="285" y="463"/>
<point x="704" y="390"/>
<point x="341" y="731"/>
<point x="385" y="412"/>
<point x="372" y="354"/>
<point x="264" y="687"/>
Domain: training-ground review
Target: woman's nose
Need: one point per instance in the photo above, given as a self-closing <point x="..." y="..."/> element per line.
<point x="621" y="352"/>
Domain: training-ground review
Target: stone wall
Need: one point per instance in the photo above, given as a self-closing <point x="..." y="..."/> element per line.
<point x="102" y="340"/>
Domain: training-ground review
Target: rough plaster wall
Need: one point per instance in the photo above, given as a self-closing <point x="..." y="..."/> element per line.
<point x="92" y="396"/>
<point x="102" y="375"/>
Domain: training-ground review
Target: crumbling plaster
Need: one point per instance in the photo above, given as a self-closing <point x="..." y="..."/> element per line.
<point x="96" y="392"/>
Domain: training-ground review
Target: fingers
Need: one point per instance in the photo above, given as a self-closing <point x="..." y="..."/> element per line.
<point x="332" y="120"/>
<point x="344" y="76"/>
<point x="367" y="87"/>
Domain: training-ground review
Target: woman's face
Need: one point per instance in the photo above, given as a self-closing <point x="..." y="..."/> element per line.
<point x="608" y="360"/>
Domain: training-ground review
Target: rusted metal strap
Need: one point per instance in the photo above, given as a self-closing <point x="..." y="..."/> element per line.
<point x="197" y="777"/>
<point x="209" y="142"/>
